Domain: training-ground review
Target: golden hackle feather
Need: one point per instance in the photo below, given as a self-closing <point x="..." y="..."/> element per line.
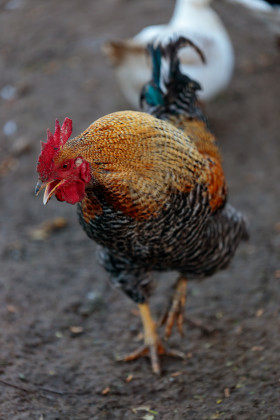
<point x="205" y="143"/>
<point x="138" y="160"/>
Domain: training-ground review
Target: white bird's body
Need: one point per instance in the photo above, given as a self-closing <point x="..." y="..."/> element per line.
<point x="192" y="19"/>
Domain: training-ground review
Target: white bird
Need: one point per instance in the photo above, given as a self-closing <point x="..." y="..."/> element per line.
<point x="268" y="10"/>
<point x="192" y="19"/>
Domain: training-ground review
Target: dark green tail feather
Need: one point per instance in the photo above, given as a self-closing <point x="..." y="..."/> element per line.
<point x="178" y="95"/>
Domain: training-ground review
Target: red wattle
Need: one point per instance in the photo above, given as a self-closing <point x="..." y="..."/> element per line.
<point x="72" y="193"/>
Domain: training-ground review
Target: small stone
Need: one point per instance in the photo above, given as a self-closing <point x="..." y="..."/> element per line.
<point x="8" y="92"/>
<point x="10" y="127"/>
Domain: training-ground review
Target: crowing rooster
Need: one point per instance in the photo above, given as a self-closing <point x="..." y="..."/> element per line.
<point x="151" y="190"/>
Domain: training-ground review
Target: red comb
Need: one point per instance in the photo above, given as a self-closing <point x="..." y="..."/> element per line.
<point x="52" y="147"/>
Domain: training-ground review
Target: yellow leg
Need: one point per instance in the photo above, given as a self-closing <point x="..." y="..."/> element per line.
<point x="152" y="343"/>
<point x="149" y="325"/>
<point x="176" y="310"/>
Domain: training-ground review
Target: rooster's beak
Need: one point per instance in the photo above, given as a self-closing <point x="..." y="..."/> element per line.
<point x="50" y="188"/>
<point x="39" y="187"/>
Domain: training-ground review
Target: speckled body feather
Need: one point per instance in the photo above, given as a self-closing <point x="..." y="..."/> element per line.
<point x="185" y="236"/>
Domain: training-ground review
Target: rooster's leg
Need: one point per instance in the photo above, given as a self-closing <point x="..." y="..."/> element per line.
<point x="176" y="309"/>
<point x="152" y="343"/>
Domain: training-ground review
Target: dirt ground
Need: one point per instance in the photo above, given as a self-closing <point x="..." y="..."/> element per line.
<point x="61" y="324"/>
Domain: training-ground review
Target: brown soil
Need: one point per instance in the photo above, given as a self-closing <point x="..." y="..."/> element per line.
<point x="50" y="51"/>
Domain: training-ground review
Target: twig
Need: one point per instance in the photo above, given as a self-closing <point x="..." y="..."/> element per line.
<point x="15" y="386"/>
<point x="40" y="388"/>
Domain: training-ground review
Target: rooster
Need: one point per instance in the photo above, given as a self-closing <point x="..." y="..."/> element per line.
<point x="151" y="190"/>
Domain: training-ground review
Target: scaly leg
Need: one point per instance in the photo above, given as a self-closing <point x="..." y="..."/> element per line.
<point x="176" y="309"/>
<point x="152" y="343"/>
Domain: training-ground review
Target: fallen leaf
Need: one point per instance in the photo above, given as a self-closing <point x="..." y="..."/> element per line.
<point x="215" y="416"/>
<point x="22" y="377"/>
<point x="105" y="391"/>
<point x="239" y="330"/>
<point x="148" y="417"/>
<point x="226" y="392"/>
<point x="52" y="372"/>
<point x="46" y="228"/>
<point x="76" y="329"/>
<point x="129" y="378"/>
<point x="150" y="413"/>
<point x="140" y="408"/>
<point x="175" y="374"/>
<point x="257" y="348"/>
<point x="259" y="312"/>
<point x="277" y="274"/>
<point x="11" y="308"/>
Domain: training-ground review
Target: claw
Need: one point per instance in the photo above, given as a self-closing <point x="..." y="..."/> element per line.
<point x="153" y="346"/>
<point x="154" y="351"/>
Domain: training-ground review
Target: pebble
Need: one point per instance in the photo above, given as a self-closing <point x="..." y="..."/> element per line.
<point x="10" y="127"/>
<point x="8" y="92"/>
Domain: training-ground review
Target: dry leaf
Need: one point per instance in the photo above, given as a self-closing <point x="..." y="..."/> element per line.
<point x="148" y="417"/>
<point x="105" y="391"/>
<point x="257" y="348"/>
<point x="46" y="228"/>
<point x="259" y="313"/>
<point x="215" y="416"/>
<point x="175" y="374"/>
<point x="140" y="408"/>
<point x="239" y="330"/>
<point x="76" y="329"/>
<point x="226" y="392"/>
<point x="11" y="308"/>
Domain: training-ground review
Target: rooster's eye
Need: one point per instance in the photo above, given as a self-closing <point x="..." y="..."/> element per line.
<point x="65" y="166"/>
